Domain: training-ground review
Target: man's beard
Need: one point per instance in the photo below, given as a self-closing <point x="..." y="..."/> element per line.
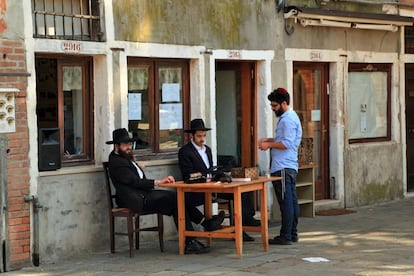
<point x="279" y="112"/>
<point x="125" y="154"/>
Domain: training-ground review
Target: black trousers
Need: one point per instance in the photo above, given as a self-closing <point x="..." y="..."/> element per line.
<point x="165" y="202"/>
<point x="197" y="199"/>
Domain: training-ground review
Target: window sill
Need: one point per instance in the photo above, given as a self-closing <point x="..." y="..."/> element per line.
<point x="72" y="170"/>
<point x="98" y="168"/>
<point x="159" y="162"/>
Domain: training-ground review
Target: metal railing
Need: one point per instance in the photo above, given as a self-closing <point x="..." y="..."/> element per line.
<point x="67" y="19"/>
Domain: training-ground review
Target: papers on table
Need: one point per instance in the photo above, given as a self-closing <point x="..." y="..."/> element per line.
<point x="241" y="179"/>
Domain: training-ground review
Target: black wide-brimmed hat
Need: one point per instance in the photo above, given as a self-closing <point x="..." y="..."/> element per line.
<point x="197" y="124"/>
<point x="120" y="135"/>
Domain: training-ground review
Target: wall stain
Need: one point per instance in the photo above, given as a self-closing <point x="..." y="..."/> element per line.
<point x="375" y="192"/>
<point x="67" y="212"/>
<point x="220" y="23"/>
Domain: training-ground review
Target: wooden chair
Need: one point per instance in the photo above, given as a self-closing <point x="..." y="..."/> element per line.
<point x="132" y="219"/>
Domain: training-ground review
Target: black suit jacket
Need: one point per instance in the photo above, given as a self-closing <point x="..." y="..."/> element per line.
<point x="131" y="189"/>
<point x="190" y="161"/>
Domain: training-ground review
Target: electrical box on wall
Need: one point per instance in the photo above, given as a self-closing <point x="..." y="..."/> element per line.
<point x="7" y="110"/>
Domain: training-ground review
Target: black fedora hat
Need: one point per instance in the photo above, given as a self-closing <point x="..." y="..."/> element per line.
<point x="197" y="124"/>
<point x="120" y="135"/>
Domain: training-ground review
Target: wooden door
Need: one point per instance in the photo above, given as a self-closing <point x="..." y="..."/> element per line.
<point x="310" y="101"/>
<point x="236" y="114"/>
<point x="409" y="121"/>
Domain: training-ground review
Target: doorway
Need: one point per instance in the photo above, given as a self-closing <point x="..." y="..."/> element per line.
<point x="409" y="127"/>
<point x="236" y="114"/>
<point x="311" y="102"/>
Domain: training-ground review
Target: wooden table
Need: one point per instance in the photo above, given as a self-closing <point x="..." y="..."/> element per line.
<point x="227" y="232"/>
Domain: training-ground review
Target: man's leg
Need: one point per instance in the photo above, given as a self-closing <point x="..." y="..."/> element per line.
<point x="192" y="200"/>
<point x="291" y="180"/>
<point x="248" y="210"/>
<point x="286" y="196"/>
<point x="161" y="201"/>
<point x="165" y="202"/>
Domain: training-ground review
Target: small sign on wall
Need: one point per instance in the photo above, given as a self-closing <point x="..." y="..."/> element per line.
<point x="71" y="46"/>
<point x="7" y="110"/>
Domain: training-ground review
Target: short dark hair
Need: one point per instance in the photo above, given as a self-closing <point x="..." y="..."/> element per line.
<point x="279" y="95"/>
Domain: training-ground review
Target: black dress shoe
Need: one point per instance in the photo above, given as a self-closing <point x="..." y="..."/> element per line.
<point x="247" y="237"/>
<point x="250" y="221"/>
<point x="295" y="239"/>
<point x="195" y="247"/>
<point x="202" y="244"/>
<point x="214" y="223"/>
<point x="280" y="241"/>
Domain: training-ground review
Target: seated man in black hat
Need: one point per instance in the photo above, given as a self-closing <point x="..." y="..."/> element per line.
<point x="195" y="157"/>
<point x="136" y="192"/>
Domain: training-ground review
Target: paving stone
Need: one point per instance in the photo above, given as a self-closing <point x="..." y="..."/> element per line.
<point x="375" y="240"/>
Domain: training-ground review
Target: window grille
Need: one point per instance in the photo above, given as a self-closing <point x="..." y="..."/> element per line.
<point x="67" y="19"/>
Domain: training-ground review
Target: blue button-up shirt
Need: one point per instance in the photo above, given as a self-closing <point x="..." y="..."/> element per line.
<point x="289" y="132"/>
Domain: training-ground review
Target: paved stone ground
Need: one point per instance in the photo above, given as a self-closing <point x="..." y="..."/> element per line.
<point x="375" y="240"/>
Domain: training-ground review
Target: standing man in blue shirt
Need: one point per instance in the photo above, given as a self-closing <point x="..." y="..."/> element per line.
<point x="284" y="163"/>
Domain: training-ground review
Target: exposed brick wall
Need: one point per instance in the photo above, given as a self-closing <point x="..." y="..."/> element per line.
<point x="12" y="61"/>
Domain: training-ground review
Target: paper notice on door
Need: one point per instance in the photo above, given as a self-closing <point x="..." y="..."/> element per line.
<point x="134" y="106"/>
<point x="316" y="115"/>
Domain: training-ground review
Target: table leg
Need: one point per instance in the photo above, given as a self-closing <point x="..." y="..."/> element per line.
<point x="208" y="210"/>
<point x="238" y="222"/>
<point x="208" y="201"/>
<point x="264" y="219"/>
<point x="181" y="220"/>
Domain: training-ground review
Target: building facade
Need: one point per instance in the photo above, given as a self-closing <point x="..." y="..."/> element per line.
<point x="79" y="69"/>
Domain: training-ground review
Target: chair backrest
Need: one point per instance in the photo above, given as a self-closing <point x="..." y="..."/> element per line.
<point x="110" y="189"/>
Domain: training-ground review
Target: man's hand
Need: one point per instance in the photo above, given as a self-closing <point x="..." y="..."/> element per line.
<point x="264" y="146"/>
<point x="168" y="179"/>
<point x="264" y="143"/>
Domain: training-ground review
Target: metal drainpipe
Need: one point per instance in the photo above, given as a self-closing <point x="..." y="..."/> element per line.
<point x="36" y="206"/>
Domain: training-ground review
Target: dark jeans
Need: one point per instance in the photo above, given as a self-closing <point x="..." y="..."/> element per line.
<point x="288" y="202"/>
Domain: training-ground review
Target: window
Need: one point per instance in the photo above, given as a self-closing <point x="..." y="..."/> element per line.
<point x="65" y="101"/>
<point x="66" y="19"/>
<point x="158" y="103"/>
<point x="409" y="39"/>
<point x="369" y="110"/>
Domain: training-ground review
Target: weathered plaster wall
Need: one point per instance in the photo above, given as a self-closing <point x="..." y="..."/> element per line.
<point x="73" y="206"/>
<point x="312" y="37"/>
<point x="74" y="217"/>
<point x="373" y="174"/>
<point x="218" y="24"/>
<point x="10" y="13"/>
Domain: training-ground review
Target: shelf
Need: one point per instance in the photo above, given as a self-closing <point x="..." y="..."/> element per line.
<point x="304" y="201"/>
<point x="305" y="191"/>
<point x="303" y="184"/>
